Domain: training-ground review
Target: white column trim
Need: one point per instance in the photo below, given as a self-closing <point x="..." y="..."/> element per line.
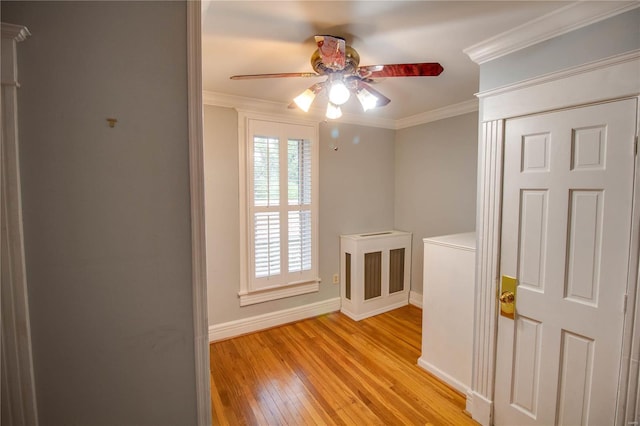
<point x="17" y="374"/>
<point x="487" y="269"/>
<point x="481" y="407"/>
<point x="198" y="241"/>
<point x="628" y="408"/>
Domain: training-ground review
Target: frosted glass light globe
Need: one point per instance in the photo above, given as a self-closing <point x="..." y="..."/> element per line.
<point x="305" y="99"/>
<point x="339" y="94"/>
<point x="333" y="111"/>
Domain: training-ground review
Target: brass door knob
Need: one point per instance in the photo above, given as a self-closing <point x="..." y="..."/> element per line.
<point x="507" y="297"/>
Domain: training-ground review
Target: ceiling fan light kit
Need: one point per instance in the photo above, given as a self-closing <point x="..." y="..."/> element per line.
<point x="340" y="64"/>
<point x="305" y="99"/>
<point x="333" y="111"/>
<point x="367" y="99"/>
<point x="338" y="93"/>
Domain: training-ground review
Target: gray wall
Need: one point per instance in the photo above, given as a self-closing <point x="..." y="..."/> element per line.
<point x="356" y="195"/>
<point x="435" y="191"/>
<point x="356" y="187"/>
<point x="222" y="212"/>
<point x="613" y="36"/>
<point x="106" y="211"/>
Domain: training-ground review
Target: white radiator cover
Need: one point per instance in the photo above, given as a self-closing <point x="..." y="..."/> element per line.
<point x="375" y="271"/>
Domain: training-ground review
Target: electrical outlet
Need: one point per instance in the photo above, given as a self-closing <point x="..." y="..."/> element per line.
<point x="336" y="278"/>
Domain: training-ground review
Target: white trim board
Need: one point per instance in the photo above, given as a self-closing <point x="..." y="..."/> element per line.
<point x="448" y="379"/>
<point x="481" y="407"/>
<point x="196" y="188"/>
<point x="239" y="327"/>
<point x="382" y="310"/>
<point x="247" y="298"/>
<point x="415" y="299"/>
<point x="561" y="21"/>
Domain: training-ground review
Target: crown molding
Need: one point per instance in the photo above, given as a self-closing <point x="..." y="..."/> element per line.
<point x="600" y="64"/>
<point x="280" y="109"/>
<point x="239" y="102"/>
<point x="561" y="21"/>
<point x="11" y="35"/>
<point x="615" y="77"/>
<point x="364" y="120"/>
<point x="15" y="32"/>
<point x="438" y="114"/>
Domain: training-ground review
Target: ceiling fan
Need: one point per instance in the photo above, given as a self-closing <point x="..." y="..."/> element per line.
<point x="340" y="64"/>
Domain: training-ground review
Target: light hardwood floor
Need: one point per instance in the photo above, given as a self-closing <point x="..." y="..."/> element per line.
<point x="331" y="370"/>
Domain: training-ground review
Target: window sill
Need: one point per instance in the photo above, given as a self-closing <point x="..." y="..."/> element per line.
<point x="253" y="297"/>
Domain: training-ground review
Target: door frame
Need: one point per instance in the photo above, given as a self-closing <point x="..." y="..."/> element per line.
<point x="196" y="185"/>
<point x="605" y="80"/>
<point x="17" y="377"/>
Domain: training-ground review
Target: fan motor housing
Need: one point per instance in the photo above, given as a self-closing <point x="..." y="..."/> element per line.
<point x="352" y="60"/>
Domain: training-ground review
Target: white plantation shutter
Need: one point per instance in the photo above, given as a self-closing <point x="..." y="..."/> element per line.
<point x="299" y="195"/>
<point x="299" y="168"/>
<point x="266" y="171"/>
<point x="267" y="244"/>
<point x="299" y="241"/>
<point x="281" y="210"/>
<point x="266" y="193"/>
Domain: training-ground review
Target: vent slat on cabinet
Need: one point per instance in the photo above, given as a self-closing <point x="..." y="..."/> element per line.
<point x="347" y="275"/>
<point x="396" y="270"/>
<point x="372" y="275"/>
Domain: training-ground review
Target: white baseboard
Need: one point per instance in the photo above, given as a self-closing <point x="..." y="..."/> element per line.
<point x="448" y="379"/>
<point x="381" y="310"/>
<point x="415" y="299"/>
<point x="272" y="319"/>
<point x="479" y="407"/>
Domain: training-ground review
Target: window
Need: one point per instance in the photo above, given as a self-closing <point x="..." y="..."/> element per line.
<point x="278" y="183"/>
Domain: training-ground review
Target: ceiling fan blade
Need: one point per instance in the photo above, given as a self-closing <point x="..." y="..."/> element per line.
<point x="277" y="75"/>
<point x="382" y="99"/>
<point x="332" y="51"/>
<point x="424" y="69"/>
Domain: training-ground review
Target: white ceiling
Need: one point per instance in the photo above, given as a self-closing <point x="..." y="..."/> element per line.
<point x="253" y="37"/>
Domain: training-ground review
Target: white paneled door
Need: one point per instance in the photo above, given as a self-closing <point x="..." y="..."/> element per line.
<point x="566" y="229"/>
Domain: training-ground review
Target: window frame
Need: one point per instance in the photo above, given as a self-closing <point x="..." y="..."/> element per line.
<point x="287" y="128"/>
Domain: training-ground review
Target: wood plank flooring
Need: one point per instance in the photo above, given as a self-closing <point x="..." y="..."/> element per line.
<point x="331" y="370"/>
